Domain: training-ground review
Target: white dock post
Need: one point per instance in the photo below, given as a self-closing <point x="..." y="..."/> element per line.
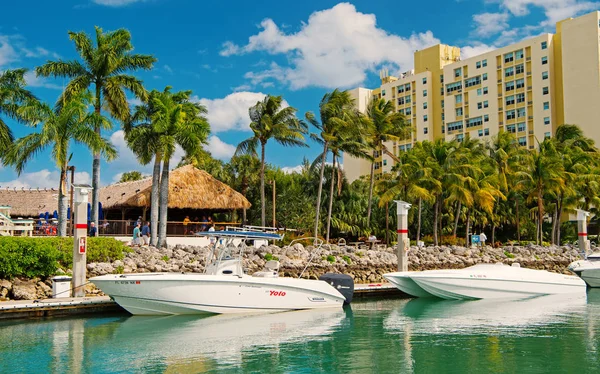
<point x="80" y="238"/>
<point x="402" y="208"/>
<point x="584" y="243"/>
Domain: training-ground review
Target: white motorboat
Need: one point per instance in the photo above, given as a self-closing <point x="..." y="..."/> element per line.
<point x="485" y="281"/>
<point x="224" y="287"/>
<point x="588" y="269"/>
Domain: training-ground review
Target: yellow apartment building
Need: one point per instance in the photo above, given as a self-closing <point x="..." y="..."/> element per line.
<point x="527" y="88"/>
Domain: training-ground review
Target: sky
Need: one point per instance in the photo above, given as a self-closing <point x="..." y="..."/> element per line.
<point x="232" y="53"/>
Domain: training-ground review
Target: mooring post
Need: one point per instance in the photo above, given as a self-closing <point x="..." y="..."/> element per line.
<point x="584" y="243"/>
<point x="80" y="238"/>
<point x="402" y="208"/>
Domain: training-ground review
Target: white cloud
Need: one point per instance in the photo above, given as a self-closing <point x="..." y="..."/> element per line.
<point x="243" y="87"/>
<point x="43" y="179"/>
<point x="116" y="3"/>
<point x="555" y="10"/>
<point x="490" y="23"/>
<point x="475" y="50"/>
<point x="335" y="48"/>
<point x="168" y="69"/>
<point x="134" y="101"/>
<point x="8" y="53"/>
<point x="230" y="112"/>
<point x="219" y="149"/>
<point x="33" y="81"/>
<point x="292" y="169"/>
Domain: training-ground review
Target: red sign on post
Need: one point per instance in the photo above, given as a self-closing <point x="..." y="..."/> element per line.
<point x="82" y="245"/>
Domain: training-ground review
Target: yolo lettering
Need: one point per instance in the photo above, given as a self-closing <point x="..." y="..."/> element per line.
<point x="276" y="293"/>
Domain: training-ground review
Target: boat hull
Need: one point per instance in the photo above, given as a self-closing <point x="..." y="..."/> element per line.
<point x="404" y="283"/>
<point x="588" y="270"/>
<point x="591" y="277"/>
<point x="172" y="293"/>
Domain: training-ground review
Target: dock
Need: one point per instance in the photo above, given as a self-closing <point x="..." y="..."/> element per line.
<point x="68" y="306"/>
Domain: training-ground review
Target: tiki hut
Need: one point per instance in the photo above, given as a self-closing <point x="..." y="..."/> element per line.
<point x="29" y="202"/>
<point x="189" y="189"/>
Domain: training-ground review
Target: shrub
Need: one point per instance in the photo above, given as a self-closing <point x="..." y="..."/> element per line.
<point x="331" y="258"/>
<point x="119" y="270"/>
<point x="347" y="259"/>
<point x="269" y="257"/>
<point x="359" y="254"/>
<point x="165" y="258"/>
<point x="508" y="254"/>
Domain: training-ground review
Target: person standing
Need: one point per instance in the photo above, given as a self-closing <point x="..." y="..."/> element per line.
<point x="146" y="233"/>
<point x="136" y="235"/>
<point x="482" y="239"/>
<point x="93" y="231"/>
<point x="186" y="222"/>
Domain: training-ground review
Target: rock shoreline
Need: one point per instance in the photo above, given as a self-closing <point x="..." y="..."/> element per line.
<point x="363" y="264"/>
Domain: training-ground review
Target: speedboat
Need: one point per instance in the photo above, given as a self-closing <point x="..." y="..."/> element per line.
<point x="224" y="287"/>
<point x="588" y="269"/>
<point x="486" y="281"/>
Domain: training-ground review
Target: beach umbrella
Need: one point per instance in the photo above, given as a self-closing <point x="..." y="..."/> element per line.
<point x="69" y="213"/>
<point x="100" y="212"/>
<point x="46" y="216"/>
<point x="89" y="211"/>
<point x="55" y="214"/>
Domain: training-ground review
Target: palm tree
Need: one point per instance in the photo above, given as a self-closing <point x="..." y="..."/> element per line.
<point x="271" y="121"/>
<point x="69" y="122"/>
<point x="104" y="66"/>
<point x="12" y="96"/>
<point x="385" y="125"/>
<point x="243" y="171"/>
<point x="338" y="118"/>
<point x="176" y="121"/>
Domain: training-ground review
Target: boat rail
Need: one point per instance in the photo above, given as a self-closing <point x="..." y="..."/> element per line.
<point x="317" y="242"/>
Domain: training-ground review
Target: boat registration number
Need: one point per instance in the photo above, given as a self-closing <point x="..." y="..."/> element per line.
<point x="127" y="282"/>
<point x="477" y="276"/>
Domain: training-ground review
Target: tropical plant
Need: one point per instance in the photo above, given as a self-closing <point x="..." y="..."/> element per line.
<point x="103" y="65"/>
<point x="71" y="122"/>
<point x="271" y="120"/>
<point x="12" y="95"/>
<point x="131" y="176"/>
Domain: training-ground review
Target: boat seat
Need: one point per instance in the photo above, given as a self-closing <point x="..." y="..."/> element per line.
<point x="270" y="270"/>
<point x="272" y="265"/>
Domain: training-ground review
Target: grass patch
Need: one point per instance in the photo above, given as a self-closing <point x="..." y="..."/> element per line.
<point x="165" y="258"/>
<point x="330" y="259"/>
<point x="269" y="257"/>
<point x="347" y="259"/>
<point x="508" y="254"/>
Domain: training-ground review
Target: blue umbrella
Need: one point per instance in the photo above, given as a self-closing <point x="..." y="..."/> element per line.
<point x="89" y="211"/>
<point x="55" y="214"/>
<point x="69" y="213"/>
<point x="100" y="211"/>
<point x="47" y="216"/>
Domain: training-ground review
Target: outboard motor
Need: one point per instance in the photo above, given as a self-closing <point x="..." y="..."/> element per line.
<point x="341" y="282"/>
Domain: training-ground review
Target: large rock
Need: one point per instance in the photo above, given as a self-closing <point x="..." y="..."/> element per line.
<point x="24" y="290"/>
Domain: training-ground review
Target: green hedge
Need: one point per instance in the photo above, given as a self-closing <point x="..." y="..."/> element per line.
<point x="41" y="257"/>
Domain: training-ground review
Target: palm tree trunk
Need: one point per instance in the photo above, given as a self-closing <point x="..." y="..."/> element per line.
<point x="154" y="196"/>
<point x="164" y="203"/>
<point x="419" y="220"/>
<point x="468" y="224"/>
<point x="262" y="185"/>
<point x="553" y="238"/>
<point x="560" y="209"/>
<point x="518" y="221"/>
<point x="320" y="189"/>
<point x="540" y="238"/>
<point x="387" y="224"/>
<point x="96" y="165"/>
<point x="62" y="206"/>
<point x="330" y="200"/>
<point x="435" y="221"/>
<point x="372" y="181"/>
<point x="456" y="218"/>
<point x="493" y="234"/>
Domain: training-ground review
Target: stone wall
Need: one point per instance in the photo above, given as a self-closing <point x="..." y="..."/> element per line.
<point x="363" y="264"/>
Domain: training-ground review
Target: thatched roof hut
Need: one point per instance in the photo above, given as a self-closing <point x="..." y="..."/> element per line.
<point x="29" y="202"/>
<point x="189" y="188"/>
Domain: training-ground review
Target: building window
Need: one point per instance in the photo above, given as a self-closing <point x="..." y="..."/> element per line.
<point x="484" y="77"/>
<point x="425" y="80"/>
<point x="407" y="87"/>
<point x="479" y="92"/>
<point x="474" y="122"/>
<point x="384" y="162"/>
<point x="478" y="64"/>
<point x="460" y="137"/>
<point x="544" y="75"/>
<point x="442" y="78"/>
<point x="546" y="121"/>
<point x="485" y="90"/>
<point x="457" y="72"/>
<point x="486" y="118"/>
<point x="425" y="118"/>
<point x="442" y="104"/>
<point x="458" y="125"/>
<point x="443" y="117"/>
<point x="480" y="133"/>
<point x="520" y="83"/>
<point x="519" y="69"/>
<point x="523" y="141"/>
<point x="544" y="60"/>
<point x="511" y="128"/>
<point x="509" y="72"/>
<point x="479" y="105"/>
<point x="510" y="114"/>
<point x="408" y="111"/>
<point x="521" y="127"/>
<point x="519" y="54"/>
<point x="486" y="132"/>
<point x="546" y="135"/>
<point x="425" y="130"/>
<point x="382" y="92"/>
<point x="509" y="86"/>
<point x="509" y="57"/>
<point x="472" y="81"/>
<point x="401" y="111"/>
<point x="424" y="93"/>
<point x="520" y="98"/>
<point x="401" y="101"/>
<point x="545" y="91"/>
<point x="485" y="104"/>
<point x="407" y="99"/>
<point x="451" y="87"/>
<point x="425" y="105"/>
<point x="458" y="99"/>
<point x="484" y="63"/>
<point x="546" y="105"/>
<point x="443" y="129"/>
<point x="459" y="112"/>
<point x="544" y="45"/>
<point x="521" y="112"/>
<point x="510" y="100"/>
<point x="401" y="88"/>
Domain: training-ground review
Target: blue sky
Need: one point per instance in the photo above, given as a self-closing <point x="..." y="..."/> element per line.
<point x="232" y="53"/>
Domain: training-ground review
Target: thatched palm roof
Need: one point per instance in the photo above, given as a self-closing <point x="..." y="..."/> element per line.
<point x="29" y="202"/>
<point x="189" y="188"/>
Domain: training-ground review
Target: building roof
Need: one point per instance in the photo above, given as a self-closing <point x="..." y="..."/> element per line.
<point x="29" y="202"/>
<point x="189" y="188"/>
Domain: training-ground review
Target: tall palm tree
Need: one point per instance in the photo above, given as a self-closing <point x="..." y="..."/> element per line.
<point x="244" y="171"/>
<point x="176" y="121"/>
<point x="12" y="95"/>
<point x="103" y="65"/>
<point x="385" y="125"/>
<point x="338" y="117"/>
<point x="271" y="121"/>
<point x="71" y="122"/>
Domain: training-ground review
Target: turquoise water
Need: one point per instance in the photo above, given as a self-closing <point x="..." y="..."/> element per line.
<point x="540" y="335"/>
